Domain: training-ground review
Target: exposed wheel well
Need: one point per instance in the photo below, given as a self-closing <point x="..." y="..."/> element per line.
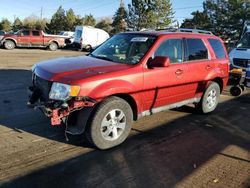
<point x="220" y="82"/>
<point x="54" y="42"/>
<point x="130" y="100"/>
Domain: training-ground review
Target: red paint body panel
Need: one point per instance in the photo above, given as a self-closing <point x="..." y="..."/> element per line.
<point x="150" y="88"/>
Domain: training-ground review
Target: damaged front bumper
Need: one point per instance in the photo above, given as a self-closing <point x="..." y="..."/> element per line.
<point x="57" y="111"/>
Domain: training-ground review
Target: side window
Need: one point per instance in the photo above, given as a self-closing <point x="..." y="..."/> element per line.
<point x="35" y="33"/>
<point x="196" y="50"/>
<point x="25" y="33"/>
<point x="217" y="48"/>
<point x="171" y="48"/>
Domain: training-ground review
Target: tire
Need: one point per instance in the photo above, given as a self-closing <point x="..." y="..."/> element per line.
<point x="88" y="48"/>
<point x="110" y="124"/>
<point x="53" y="46"/>
<point x="9" y="45"/>
<point x="236" y="91"/>
<point x="210" y="98"/>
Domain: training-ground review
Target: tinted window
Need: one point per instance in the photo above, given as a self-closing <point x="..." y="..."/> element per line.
<point x="196" y="50"/>
<point x="244" y="41"/>
<point x="217" y="48"/>
<point x="171" y="48"/>
<point x="25" y="33"/>
<point x="35" y="33"/>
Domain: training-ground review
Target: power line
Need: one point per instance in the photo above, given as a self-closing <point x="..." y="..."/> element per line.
<point x="181" y="8"/>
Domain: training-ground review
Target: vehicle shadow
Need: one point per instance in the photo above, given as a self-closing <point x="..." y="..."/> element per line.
<point x="161" y="156"/>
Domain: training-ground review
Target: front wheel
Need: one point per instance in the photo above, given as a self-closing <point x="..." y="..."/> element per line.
<point x="210" y="98"/>
<point x="110" y="124"/>
<point x="53" y="46"/>
<point x="9" y="45"/>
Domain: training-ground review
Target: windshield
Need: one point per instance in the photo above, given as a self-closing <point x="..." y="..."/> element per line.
<point x="124" y="48"/>
<point x="244" y="41"/>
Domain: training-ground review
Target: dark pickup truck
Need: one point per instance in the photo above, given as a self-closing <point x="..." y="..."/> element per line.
<point x="32" y="38"/>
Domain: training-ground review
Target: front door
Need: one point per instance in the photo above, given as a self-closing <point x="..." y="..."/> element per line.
<point x="24" y="38"/>
<point x="166" y="85"/>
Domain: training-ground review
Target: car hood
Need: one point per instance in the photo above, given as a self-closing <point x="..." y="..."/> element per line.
<point x="242" y="53"/>
<point x="70" y="69"/>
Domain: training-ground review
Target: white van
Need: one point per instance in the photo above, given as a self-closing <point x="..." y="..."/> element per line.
<point x="240" y="56"/>
<point x="87" y="37"/>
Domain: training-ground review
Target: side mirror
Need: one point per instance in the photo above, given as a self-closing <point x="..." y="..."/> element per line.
<point x="159" y="61"/>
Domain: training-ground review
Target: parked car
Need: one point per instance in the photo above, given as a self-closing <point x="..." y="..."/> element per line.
<point x="87" y="37"/>
<point x="129" y="76"/>
<point x="240" y="56"/>
<point x="32" y="38"/>
<point x="69" y="36"/>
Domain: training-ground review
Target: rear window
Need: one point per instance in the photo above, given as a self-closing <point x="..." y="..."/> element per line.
<point x="196" y="50"/>
<point x="217" y="48"/>
<point x="35" y="33"/>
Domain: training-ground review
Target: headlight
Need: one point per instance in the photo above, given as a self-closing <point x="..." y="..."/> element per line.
<point x="63" y="91"/>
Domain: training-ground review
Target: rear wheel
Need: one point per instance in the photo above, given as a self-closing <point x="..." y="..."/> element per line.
<point x="110" y="124"/>
<point x="210" y="98"/>
<point x="9" y="45"/>
<point x="53" y="46"/>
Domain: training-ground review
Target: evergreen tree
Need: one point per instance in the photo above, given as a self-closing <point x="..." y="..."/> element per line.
<point x="89" y="20"/>
<point x="79" y="20"/>
<point x="17" y="25"/>
<point x="154" y="14"/>
<point x="224" y="18"/>
<point x="200" y="20"/>
<point x="5" y="25"/>
<point x="227" y="16"/>
<point x="120" y="20"/>
<point x="58" y="21"/>
<point x="104" y="24"/>
<point x="70" y="20"/>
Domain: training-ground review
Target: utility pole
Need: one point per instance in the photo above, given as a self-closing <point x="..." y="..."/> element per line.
<point x="41" y="16"/>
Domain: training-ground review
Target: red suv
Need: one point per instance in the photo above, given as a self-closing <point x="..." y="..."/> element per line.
<point x="129" y="76"/>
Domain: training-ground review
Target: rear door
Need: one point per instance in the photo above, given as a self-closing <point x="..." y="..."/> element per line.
<point x="200" y="65"/>
<point x="24" y="38"/>
<point x="36" y="39"/>
<point x="166" y="85"/>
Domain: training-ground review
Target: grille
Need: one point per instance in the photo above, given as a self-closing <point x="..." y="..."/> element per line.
<point x="43" y="86"/>
<point x="241" y="62"/>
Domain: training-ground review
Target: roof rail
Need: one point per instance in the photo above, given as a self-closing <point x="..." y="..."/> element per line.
<point x="194" y="31"/>
<point x="172" y="29"/>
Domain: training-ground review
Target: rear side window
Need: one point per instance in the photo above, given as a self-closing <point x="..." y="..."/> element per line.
<point x="25" y="33"/>
<point x="35" y="33"/>
<point x="217" y="48"/>
<point x="196" y="50"/>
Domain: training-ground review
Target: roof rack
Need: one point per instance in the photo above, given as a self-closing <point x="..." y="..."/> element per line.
<point x="172" y="29"/>
<point x="194" y="31"/>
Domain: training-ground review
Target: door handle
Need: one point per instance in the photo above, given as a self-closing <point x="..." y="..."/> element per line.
<point x="208" y="67"/>
<point x="179" y="71"/>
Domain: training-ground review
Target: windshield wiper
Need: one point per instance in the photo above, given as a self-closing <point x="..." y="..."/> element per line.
<point x="101" y="57"/>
